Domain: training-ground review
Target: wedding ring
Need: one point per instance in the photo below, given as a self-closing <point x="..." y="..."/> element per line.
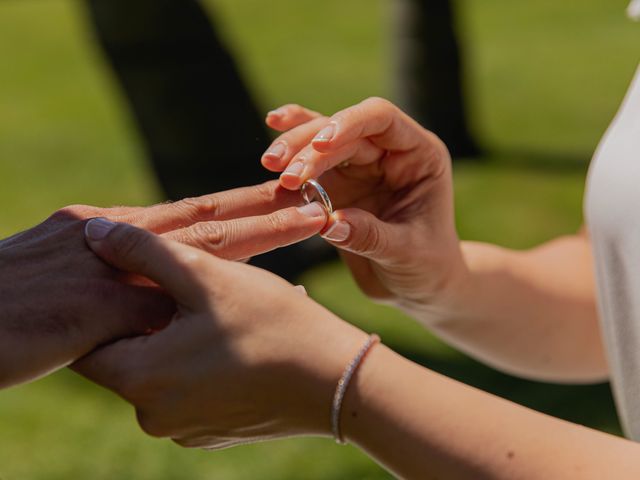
<point x="308" y="189"/>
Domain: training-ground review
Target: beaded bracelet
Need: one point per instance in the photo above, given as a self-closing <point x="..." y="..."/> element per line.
<point x="343" y="384"/>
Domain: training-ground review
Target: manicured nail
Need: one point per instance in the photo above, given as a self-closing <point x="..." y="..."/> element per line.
<point x="313" y="209"/>
<point x="295" y="169"/>
<point x="300" y="289"/>
<point x="338" y="232"/>
<point x="276" y="151"/>
<point x="326" y="134"/>
<point x="98" y="228"/>
<point x="277" y="112"/>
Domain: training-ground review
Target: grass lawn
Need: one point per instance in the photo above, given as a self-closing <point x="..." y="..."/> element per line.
<point x="545" y="77"/>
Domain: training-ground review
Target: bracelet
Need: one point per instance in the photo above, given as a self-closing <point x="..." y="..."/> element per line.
<point x="343" y="384"/>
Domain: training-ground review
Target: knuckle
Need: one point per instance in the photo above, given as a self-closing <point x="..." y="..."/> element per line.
<point x="209" y="235"/>
<point x="195" y="208"/>
<point x="267" y="191"/>
<point x="380" y="108"/>
<point x="378" y="103"/>
<point x="281" y="221"/>
<point x="371" y="241"/>
<point x="293" y="109"/>
<point x="74" y="212"/>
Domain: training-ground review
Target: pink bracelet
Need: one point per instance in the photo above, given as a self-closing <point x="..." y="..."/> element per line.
<point x="343" y="384"/>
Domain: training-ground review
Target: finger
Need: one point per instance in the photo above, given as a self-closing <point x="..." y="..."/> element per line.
<point x="360" y="152"/>
<point x="119" y="211"/>
<point x="171" y="265"/>
<point x="301" y="290"/>
<point x="113" y="366"/>
<point x="239" y="202"/>
<point x="245" y="237"/>
<point x="289" y="116"/>
<point x="360" y="232"/>
<point x="377" y="119"/>
<point x="287" y="145"/>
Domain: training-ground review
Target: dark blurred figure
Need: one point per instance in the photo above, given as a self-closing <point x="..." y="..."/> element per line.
<point x="430" y="71"/>
<point x="199" y="123"/>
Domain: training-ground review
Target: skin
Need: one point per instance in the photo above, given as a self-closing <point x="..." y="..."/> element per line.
<point x="227" y="372"/>
<point x="531" y="313"/>
<point x="60" y="301"/>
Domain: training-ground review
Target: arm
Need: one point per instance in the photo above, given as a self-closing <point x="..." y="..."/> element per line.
<point x="223" y="374"/>
<point x="419" y="424"/>
<point x="531" y="313"/>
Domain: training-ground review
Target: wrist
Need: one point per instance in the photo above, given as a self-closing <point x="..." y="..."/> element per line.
<point x="439" y="300"/>
<point x="366" y="400"/>
<point x="332" y="343"/>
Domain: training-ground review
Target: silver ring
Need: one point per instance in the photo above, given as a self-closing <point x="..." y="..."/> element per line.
<point x="320" y="192"/>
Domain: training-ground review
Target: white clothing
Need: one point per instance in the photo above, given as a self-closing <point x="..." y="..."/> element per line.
<point x="612" y="209"/>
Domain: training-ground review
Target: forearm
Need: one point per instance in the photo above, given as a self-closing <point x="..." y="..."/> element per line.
<point x="532" y="313"/>
<point x="419" y="424"/>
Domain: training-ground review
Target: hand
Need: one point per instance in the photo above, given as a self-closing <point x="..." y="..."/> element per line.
<point x="59" y="301"/>
<point x="395" y="223"/>
<point x="247" y="357"/>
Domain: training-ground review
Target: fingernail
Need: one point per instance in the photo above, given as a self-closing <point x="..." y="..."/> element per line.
<point x="338" y="232"/>
<point x="301" y="289"/>
<point x="276" y="151"/>
<point x="277" y="112"/>
<point x="326" y="134"/>
<point x="295" y="169"/>
<point x="98" y="228"/>
<point x="313" y="209"/>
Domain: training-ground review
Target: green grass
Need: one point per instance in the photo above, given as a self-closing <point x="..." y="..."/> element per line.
<point x="545" y="78"/>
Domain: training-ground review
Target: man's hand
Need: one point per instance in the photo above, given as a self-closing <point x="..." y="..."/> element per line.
<point x="59" y="301"/>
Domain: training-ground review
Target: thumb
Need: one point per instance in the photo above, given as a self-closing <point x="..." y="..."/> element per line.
<point x="171" y="265"/>
<point x="362" y="233"/>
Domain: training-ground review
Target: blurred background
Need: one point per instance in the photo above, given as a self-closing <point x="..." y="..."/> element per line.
<point x="541" y="81"/>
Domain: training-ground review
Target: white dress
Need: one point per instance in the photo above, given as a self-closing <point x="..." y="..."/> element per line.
<point x="612" y="210"/>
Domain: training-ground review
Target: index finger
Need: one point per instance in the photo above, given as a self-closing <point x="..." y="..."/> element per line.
<point x="376" y="119"/>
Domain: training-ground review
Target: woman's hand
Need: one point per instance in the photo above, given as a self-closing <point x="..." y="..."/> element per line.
<point x="250" y="358"/>
<point x="390" y="180"/>
<point x="530" y="313"/>
<point x="247" y="356"/>
<point x="59" y="301"/>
